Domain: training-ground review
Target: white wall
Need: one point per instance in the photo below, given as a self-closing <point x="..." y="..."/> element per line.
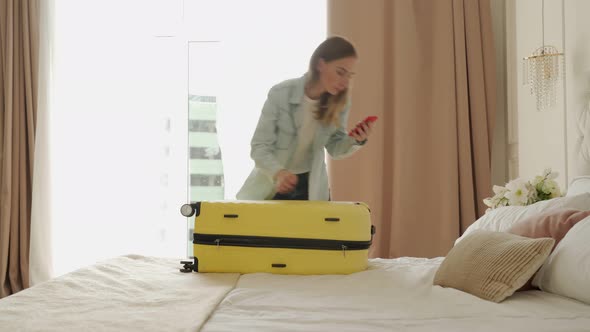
<point x="544" y="138"/>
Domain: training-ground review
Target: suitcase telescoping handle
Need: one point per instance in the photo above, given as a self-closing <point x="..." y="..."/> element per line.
<point x="188" y="210"/>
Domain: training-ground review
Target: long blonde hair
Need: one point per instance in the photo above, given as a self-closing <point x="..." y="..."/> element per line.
<point x="330" y="106"/>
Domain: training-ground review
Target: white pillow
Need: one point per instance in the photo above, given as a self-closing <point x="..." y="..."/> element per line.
<point x="579" y="185"/>
<point x="501" y="219"/>
<point x="567" y="270"/>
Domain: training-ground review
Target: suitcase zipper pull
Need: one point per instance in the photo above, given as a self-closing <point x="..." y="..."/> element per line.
<point x="344" y="250"/>
<point x="217" y="242"/>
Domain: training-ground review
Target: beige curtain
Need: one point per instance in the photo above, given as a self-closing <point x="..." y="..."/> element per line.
<point x="19" y="38"/>
<point x="427" y="70"/>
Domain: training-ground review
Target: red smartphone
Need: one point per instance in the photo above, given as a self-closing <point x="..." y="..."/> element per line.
<point x="367" y="120"/>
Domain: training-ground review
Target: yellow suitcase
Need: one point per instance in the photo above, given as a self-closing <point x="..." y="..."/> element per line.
<point x="285" y="237"/>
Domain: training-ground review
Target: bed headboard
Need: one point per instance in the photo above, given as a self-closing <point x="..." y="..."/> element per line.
<point x="579" y="130"/>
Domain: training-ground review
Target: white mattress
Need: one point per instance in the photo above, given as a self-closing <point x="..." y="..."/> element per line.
<point x="136" y="293"/>
<point x="393" y="295"/>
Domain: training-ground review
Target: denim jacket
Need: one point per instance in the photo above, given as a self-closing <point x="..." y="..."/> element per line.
<point x="275" y="140"/>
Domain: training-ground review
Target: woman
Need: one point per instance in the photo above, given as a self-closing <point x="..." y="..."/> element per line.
<point x="299" y="119"/>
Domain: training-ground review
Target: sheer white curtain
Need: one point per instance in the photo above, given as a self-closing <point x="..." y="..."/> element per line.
<point x="40" y="255"/>
<point x="111" y="168"/>
<point x="106" y="152"/>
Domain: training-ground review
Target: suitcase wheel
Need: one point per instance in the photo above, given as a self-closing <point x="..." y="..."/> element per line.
<point x="187" y="210"/>
<point x="187" y="266"/>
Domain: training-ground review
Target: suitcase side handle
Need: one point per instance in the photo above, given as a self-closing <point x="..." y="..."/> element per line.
<point x="373" y="231"/>
<point x="332" y="219"/>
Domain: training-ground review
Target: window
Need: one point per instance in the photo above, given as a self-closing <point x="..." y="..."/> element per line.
<point x="205" y="158"/>
<point x="172" y="94"/>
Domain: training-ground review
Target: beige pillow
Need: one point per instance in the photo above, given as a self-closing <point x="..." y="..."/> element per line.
<point x="492" y="265"/>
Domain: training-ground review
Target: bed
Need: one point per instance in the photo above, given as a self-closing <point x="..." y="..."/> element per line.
<point x="138" y="293"/>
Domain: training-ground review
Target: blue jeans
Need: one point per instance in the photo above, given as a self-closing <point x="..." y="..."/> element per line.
<point x="301" y="191"/>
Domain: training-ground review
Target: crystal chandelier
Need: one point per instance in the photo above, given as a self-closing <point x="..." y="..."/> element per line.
<point x="543" y="70"/>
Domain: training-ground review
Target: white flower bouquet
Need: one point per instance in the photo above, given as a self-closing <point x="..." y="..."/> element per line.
<point x="521" y="192"/>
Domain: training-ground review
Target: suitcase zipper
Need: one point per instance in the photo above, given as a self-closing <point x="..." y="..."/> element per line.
<point x="278" y="242"/>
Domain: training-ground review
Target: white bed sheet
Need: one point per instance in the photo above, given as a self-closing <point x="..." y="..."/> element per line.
<point x="392" y="295"/>
<point x="129" y="293"/>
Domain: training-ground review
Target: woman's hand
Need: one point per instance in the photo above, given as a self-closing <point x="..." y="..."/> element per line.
<point x="285" y="181"/>
<point x="362" y="131"/>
